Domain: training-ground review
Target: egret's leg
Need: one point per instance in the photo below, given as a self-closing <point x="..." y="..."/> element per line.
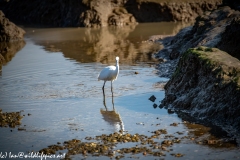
<point x="103" y="86"/>
<point x="112" y="96"/>
<point x="104" y="102"/>
<point x="111" y="88"/>
<point x="113" y="101"/>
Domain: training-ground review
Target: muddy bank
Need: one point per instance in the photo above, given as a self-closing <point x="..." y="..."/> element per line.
<point x="205" y="85"/>
<point x="98" y="13"/>
<point x="204" y="81"/>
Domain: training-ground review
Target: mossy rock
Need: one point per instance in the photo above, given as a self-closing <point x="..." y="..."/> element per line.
<point x="219" y="62"/>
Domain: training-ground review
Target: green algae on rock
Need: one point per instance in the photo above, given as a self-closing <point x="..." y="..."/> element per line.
<point x="206" y="86"/>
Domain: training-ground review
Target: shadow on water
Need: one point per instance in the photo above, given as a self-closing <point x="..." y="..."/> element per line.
<point x="207" y="133"/>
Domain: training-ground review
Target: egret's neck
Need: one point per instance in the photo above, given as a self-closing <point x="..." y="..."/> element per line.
<point x="117" y="65"/>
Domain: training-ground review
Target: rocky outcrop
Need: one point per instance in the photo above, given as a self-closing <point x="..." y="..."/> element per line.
<point x="98" y="13"/>
<point x="219" y="28"/>
<point x="11" y="39"/>
<point x="72" y="13"/>
<point x="162" y="10"/>
<point x="9" y="31"/>
<point x="230" y="38"/>
<point x="55" y="13"/>
<point x="204" y="83"/>
<point x="104" y="13"/>
<point x="232" y="3"/>
<point x="206" y="86"/>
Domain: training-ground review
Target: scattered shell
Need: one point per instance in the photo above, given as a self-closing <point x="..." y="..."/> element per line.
<point x="10" y="119"/>
<point x="212" y="141"/>
<point x="21" y="129"/>
<point x="174" y="124"/>
<point x="177" y="154"/>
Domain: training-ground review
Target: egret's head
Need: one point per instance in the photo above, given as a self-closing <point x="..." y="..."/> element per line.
<point x="117" y="58"/>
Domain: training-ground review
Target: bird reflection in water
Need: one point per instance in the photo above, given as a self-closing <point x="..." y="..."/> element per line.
<point x="111" y="116"/>
<point x="110" y="73"/>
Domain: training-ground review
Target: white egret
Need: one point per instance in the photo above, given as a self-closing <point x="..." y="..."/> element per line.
<point x="109" y="73"/>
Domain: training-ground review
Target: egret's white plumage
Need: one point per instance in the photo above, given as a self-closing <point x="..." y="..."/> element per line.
<point x="109" y="73"/>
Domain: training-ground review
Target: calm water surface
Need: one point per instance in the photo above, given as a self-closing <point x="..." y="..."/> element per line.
<point x="53" y="80"/>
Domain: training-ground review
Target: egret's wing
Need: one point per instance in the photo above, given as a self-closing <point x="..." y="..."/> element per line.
<point x="107" y="73"/>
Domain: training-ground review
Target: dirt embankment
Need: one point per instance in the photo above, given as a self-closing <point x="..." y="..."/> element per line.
<point x="219" y="28"/>
<point x="96" y="13"/>
<point x="206" y="86"/>
<point x="230" y="38"/>
<point x="205" y="81"/>
<point x="72" y="13"/>
<point x="164" y="10"/>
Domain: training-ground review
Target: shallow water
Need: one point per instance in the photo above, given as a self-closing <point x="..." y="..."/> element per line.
<point x="53" y="80"/>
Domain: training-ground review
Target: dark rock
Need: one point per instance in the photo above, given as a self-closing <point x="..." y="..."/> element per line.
<point x="206" y="86"/>
<point x="152" y="98"/>
<point x="98" y="13"/>
<point x="206" y="31"/>
<point x="170" y="111"/>
<point x="219" y="28"/>
<point x="104" y="13"/>
<point x="231" y="38"/>
<point x="55" y="13"/>
<point x="11" y="39"/>
<point x="72" y="13"/>
<point x="171" y="97"/>
<point x="232" y="3"/>
<point x="157" y="11"/>
<point x="154" y="105"/>
<point x="9" y="31"/>
<point x="161" y="106"/>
